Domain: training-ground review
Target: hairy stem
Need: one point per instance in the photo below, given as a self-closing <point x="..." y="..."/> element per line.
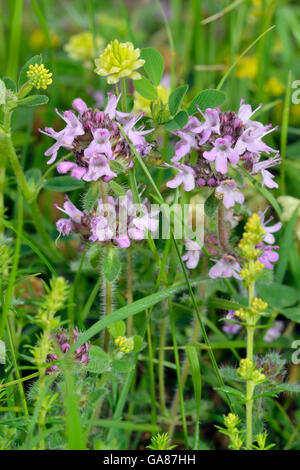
<point x="250" y="384"/>
<point x="108" y="303"/>
<point x="161" y="374"/>
<point x="151" y="376"/>
<point x="129" y="290"/>
<point x="223" y="236"/>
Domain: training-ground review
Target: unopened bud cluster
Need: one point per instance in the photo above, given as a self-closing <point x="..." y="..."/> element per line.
<point x="39" y="76"/>
<point x="252" y="237"/>
<point x="124" y="344"/>
<point x="231" y="422"/>
<point x="247" y="371"/>
<point x="52" y="302"/>
<point x="256" y="308"/>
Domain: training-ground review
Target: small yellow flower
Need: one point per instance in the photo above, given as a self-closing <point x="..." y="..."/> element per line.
<point x="38" y="40"/>
<point x="39" y="76"/>
<point x="81" y="46"/>
<point x="124" y="344"/>
<point x="247" y="67"/>
<point x="119" y="60"/>
<point x="274" y="87"/>
<point x="141" y="103"/>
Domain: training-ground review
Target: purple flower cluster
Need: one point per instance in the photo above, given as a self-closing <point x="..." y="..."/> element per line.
<point x="229" y="264"/>
<point x="221" y="141"/>
<point x="95" y="139"/>
<point x="118" y="221"/>
<point x="65" y="339"/>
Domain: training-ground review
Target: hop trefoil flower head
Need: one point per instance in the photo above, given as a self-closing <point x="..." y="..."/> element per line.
<point x="39" y="76"/>
<point x="119" y="60"/>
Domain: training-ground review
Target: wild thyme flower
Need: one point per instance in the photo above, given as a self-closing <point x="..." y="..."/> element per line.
<point x="81" y="46"/>
<point x="119" y="221"/>
<point x="39" y="76"/>
<point x="210" y="148"/>
<point x="64" y="339"/>
<point x="119" y="60"/>
<point x="96" y="141"/>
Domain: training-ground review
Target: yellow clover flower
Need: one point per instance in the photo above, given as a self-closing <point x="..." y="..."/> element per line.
<point x="274" y="87"/>
<point x="247" y="67"/>
<point x="39" y="76"/>
<point x="141" y="103"/>
<point x="81" y="46"/>
<point x="119" y="60"/>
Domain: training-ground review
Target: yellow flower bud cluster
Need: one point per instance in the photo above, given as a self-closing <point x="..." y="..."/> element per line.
<point x="39" y="76"/>
<point x="124" y="344"/>
<point x="248" y="314"/>
<point x="251" y="271"/>
<point x="252" y="235"/>
<point x="258" y="306"/>
<point x="231" y="422"/>
<point x="247" y="371"/>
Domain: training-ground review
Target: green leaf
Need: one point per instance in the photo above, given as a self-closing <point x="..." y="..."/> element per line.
<point x="176" y="98"/>
<point x="223" y="304"/>
<point x="91" y="197"/>
<point x="286" y="243"/>
<point x="117" y="188"/>
<point x="138" y="343"/>
<point x="292" y="314"/>
<point x="154" y="64"/>
<point x="130" y="310"/>
<point x="192" y="356"/>
<point x="117" y="329"/>
<point x="211" y="205"/>
<point x="145" y="88"/>
<point x="10" y="84"/>
<point x="111" y="265"/>
<point x="34" y="100"/>
<point x="33" y="176"/>
<point x="37" y="59"/>
<point x="207" y="99"/>
<point x="63" y="183"/>
<point x="278" y="296"/>
<point x="179" y="121"/>
<point x="122" y="365"/>
<point x="99" y="360"/>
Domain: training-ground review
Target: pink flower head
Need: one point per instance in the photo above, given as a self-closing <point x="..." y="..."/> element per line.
<point x="231" y="328"/>
<point x="227" y="266"/>
<point x="221" y="152"/>
<point x="251" y="140"/>
<point x="192" y="255"/>
<point x="268" y="255"/>
<point x="92" y="134"/>
<point x="229" y="193"/>
<point x="185" y="176"/>
<point x="270" y="229"/>
<point x="98" y="168"/>
<point x="267" y="177"/>
<point x="274" y="332"/>
<point x="245" y="112"/>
